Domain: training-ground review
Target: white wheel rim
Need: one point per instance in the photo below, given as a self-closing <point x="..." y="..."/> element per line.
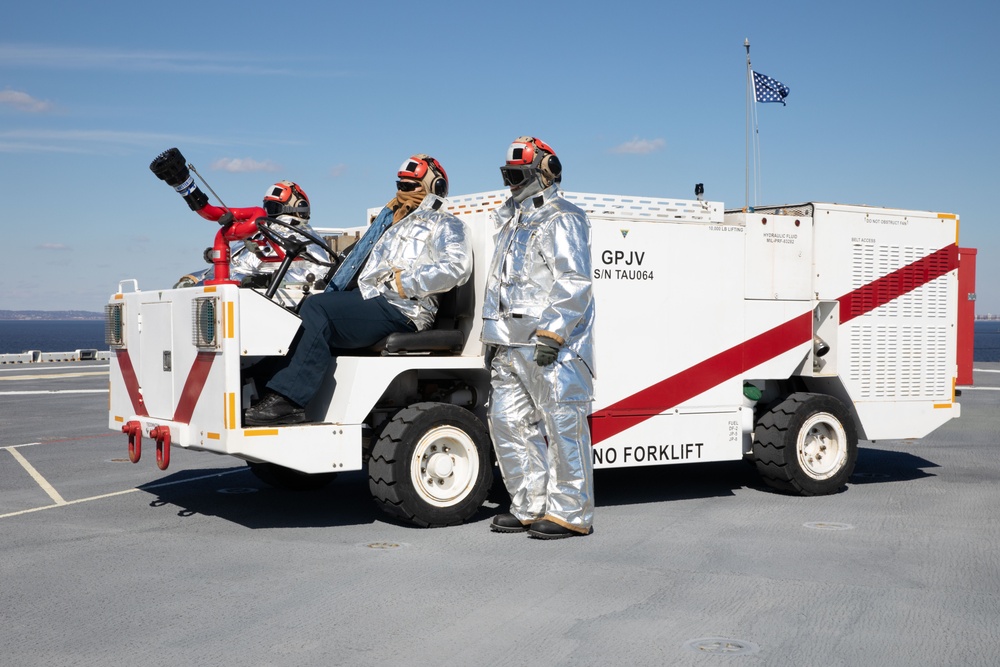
<point x="821" y="446"/>
<point x="445" y="466"/>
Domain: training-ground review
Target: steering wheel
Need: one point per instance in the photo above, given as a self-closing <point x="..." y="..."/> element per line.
<point x="288" y="244"/>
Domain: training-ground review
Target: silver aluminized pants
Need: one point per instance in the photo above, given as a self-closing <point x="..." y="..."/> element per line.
<point x="553" y="480"/>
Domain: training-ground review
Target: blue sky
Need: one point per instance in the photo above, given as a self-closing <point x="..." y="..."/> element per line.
<point x="891" y="104"/>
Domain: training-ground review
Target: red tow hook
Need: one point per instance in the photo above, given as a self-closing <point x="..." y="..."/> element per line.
<point x="162" y="436"/>
<point x="134" y="431"/>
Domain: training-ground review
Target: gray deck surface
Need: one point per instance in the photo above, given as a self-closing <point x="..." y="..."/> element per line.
<point x="688" y="565"/>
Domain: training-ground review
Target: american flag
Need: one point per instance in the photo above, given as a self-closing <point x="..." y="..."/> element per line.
<point x="767" y="89"/>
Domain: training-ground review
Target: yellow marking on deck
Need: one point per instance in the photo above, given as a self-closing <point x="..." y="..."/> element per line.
<point x="263" y="431"/>
<point x="119" y="296"/>
<point x="212" y="436"/>
<point x="209" y="289"/>
<point x="942" y="406"/>
<point x="119" y="419"/>
<point x="35" y="475"/>
<point x="231" y="411"/>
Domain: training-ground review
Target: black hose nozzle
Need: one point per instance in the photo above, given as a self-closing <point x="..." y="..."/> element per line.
<point x="170" y="167"/>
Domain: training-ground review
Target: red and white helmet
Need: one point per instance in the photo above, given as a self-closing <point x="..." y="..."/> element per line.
<point x="528" y="157"/>
<point x="286" y="198"/>
<point x="425" y="170"/>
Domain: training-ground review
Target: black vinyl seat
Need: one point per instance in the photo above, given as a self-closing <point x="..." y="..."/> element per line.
<point x="447" y="336"/>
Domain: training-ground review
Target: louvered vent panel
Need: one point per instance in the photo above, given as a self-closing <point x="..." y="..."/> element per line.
<point x="896" y="350"/>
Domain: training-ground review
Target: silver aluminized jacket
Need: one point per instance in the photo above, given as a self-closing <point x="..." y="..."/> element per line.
<point x="425" y="253"/>
<point x="539" y="285"/>
<point x="246" y="263"/>
<point x="540" y="276"/>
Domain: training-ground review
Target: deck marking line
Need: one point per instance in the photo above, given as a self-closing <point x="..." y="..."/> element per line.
<point x="37" y="476"/>
<point x="119" y="493"/>
<point x="36" y="367"/>
<point x="53" y="391"/>
<point x="16" y="378"/>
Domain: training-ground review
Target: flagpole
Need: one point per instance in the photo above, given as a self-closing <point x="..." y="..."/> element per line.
<point x="746" y="203"/>
<point x="753" y="132"/>
<point x="757" y="179"/>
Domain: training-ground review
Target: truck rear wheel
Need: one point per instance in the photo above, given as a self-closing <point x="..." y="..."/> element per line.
<point x="806" y="445"/>
<point x="291" y="480"/>
<point x="431" y="465"/>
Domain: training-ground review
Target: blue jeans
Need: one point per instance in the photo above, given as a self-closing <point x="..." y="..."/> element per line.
<point x="333" y="322"/>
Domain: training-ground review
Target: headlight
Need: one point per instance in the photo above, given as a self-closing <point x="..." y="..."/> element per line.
<point x="114" y="324"/>
<point x="206" y="324"/>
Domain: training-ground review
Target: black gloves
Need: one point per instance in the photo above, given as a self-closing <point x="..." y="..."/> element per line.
<point x="546" y="351"/>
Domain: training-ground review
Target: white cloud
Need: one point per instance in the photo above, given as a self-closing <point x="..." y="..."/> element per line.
<point x="23" y="101"/>
<point x="338" y="170"/>
<point x="53" y="246"/>
<point x="640" y="146"/>
<point x="239" y="165"/>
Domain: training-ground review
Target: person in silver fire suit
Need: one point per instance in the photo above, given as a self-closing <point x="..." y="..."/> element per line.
<point x="413" y="251"/>
<point x="538" y="315"/>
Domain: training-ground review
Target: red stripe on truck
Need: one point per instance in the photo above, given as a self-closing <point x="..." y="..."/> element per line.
<point x="883" y="290"/>
<point x="193" y="385"/>
<point x="701" y="377"/>
<point x="131" y="382"/>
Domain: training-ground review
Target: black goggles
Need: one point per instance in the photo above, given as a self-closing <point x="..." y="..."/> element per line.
<point x="274" y="207"/>
<point x="407" y="186"/>
<point x="516" y="176"/>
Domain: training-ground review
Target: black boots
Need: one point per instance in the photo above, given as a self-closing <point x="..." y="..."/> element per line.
<point x="542" y="529"/>
<point x="507" y="523"/>
<point x="274" y="409"/>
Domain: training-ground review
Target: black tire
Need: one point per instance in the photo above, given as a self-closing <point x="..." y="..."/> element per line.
<point x="431" y="465"/>
<point x="281" y="477"/>
<point x="807" y="445"/>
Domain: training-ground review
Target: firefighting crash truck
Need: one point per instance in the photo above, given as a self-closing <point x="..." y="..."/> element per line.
<point x="782" y="336"/>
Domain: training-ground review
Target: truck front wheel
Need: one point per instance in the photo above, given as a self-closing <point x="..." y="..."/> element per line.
<point x="806" y="445"/>
<point x="431" y="465"/>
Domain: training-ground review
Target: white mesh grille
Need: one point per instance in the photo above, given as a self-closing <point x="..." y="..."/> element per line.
<point x="900" y="348"/>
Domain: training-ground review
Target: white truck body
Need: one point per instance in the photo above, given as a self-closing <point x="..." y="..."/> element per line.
<point x="693" y="304"/>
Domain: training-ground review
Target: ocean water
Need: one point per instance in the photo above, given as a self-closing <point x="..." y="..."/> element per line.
<point x="68" y="335"/>
<point x="51" y="335"/>
<point x="987" y="341"/>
